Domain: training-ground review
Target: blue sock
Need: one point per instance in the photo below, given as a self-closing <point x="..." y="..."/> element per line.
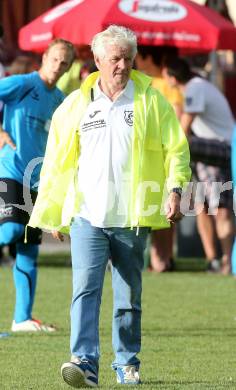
<point x="25" y="277"/>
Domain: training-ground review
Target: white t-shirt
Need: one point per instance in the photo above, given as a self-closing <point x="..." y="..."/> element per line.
<point x="105" y="161"/>
<point x="214" y="119"/>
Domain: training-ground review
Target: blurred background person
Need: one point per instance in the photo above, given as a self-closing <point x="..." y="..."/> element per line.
<point x="82" y="66"/>
<point x="151" y="60"/>
<point x="207" y="114"/>
<point x="21" y="64"/>
<point x="29" y="103"/>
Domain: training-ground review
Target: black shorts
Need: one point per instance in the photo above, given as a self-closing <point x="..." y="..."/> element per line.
<point x="16" y="203"/>
<point x="210" y="152"/>
<point x="211" y="175"/>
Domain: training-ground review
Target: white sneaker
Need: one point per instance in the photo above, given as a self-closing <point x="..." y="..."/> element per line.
<point x="79" y="373"/>
<point x="31" y="326"/>
<point x="128" y="375"/>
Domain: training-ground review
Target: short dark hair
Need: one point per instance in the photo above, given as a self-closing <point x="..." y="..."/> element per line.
<point x="180" y="69"/>
<point x="68" y="45"/>
<point x="160" y="54"/>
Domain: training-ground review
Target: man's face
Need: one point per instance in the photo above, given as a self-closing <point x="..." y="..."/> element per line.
<point x="171" y="80"/>
<point x="56" y="62"/>
<point x="115" y="67"/>
<point x="141" y="62"/>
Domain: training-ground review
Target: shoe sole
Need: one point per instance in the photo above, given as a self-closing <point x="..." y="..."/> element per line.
<point x="74" y="376"/>
<point x="32" y="328"/>
<point x="129" y="383"/>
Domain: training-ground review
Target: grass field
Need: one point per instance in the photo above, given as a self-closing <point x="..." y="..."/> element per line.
<point x="189" y="332"/>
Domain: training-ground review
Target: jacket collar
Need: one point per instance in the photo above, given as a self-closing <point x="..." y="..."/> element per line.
<point x="141" y="81"/>
<point x="128" y="91"/>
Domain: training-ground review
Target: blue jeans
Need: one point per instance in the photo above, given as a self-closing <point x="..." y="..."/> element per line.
<point x="91" y="248"/>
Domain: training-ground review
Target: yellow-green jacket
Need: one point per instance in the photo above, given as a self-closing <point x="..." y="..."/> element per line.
<point x="160" y="158"/>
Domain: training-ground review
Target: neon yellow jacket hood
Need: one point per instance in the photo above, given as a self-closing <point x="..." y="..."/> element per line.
<point x="160" y="158"/>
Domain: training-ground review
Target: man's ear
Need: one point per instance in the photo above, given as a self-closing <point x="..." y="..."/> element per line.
<point x="175" y="81"/>
<point x="149" y="59"/>
<point x="44" y="57"/>
<point x="97" y="62"/>
<point x="164" y="71"/>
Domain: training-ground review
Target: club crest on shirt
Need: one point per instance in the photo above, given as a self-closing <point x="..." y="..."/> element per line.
<point x="129" y="116"/>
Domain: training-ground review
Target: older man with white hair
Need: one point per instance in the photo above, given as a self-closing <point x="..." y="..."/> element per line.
<point x="113" y="145"/>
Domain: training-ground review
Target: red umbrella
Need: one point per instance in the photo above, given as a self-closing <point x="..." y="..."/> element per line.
<point x="179" y="23"/>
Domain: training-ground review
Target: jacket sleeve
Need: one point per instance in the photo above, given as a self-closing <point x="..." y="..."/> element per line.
<point x="56" y="173"/>
<point x="176" y="150"/>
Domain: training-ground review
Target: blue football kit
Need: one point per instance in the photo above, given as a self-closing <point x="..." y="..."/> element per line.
<point x="28" y="108"/>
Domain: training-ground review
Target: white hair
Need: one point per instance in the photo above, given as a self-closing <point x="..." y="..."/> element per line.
<point x="114" y="35"/>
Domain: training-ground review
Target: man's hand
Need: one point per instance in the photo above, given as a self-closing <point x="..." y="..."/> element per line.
<point x="57" y="235"/>
<point x="6" y="139"/>
<point x="173" y="213"/>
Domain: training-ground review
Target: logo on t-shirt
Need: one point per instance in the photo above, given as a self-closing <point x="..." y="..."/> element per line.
<point x="6" y="212"/>
<point x="189" y="100"/>
<point x="94" y="113"/>
<point x="128" y="116"/>
<point x="93" y="125"/>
